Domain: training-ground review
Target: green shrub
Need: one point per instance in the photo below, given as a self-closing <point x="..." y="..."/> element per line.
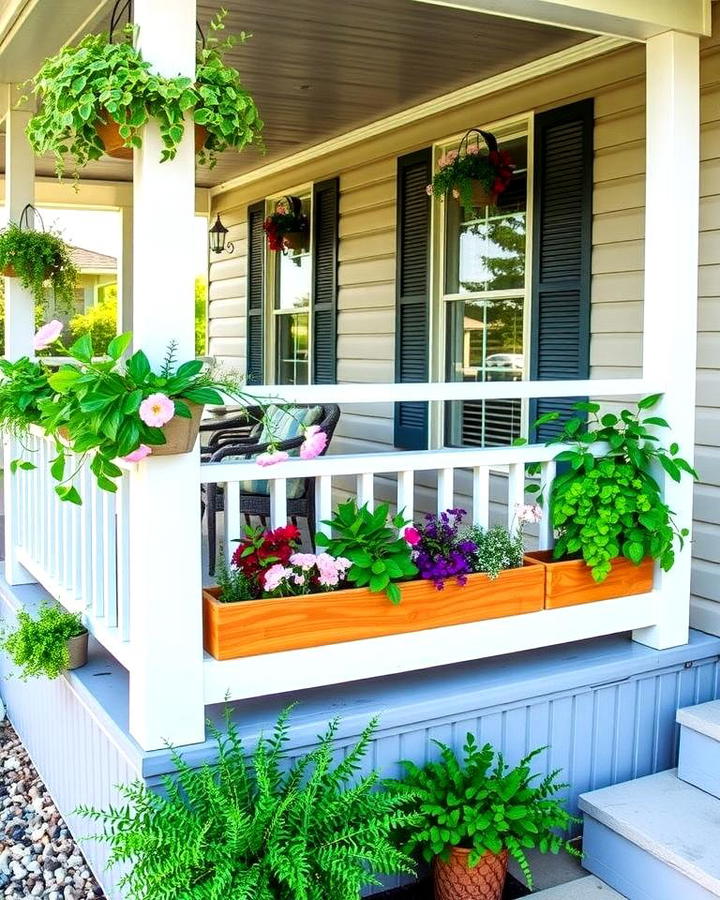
<point x="99" y="322"/>
<point x="258" y="829"/>
<point x="40" y="646"/>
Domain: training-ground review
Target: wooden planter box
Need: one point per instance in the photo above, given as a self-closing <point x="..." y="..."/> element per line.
<point x="255" y="627"/>
<point x="568" y="582"/>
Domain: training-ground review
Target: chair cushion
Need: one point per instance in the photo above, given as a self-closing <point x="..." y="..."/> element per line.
<point x="283" y="424"/>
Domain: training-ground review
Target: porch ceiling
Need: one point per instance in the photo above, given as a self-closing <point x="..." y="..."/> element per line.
<point x="320" y="68"/>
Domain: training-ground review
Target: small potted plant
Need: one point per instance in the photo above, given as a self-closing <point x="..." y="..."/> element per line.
<point x="39" y="258"/>
<point x="288" y="228"/>
<point x="50" y="644"/>
<point x="607" y="509"/>
<point x="473" y="176"/>
<point x="476" y="812"/>
<point x="260" y="825"/>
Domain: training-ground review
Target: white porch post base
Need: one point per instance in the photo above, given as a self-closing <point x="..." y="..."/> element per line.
<point x="670" y="307"/>
<point x="166" y="677"/>
<point x="19" y="307"/>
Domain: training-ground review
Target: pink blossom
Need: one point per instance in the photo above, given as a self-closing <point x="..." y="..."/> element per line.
<point x="142" y="451"/>
<point x="473" y="149"/>
<point x="305" y="561"/>
<point x="428" y="190"/>
<point x="528" y="514"/>
<point x="342" y="564"/>
<point x="47" y="334"/>
<point x="275" y="575"/>
<point x="271" y="459"/>
<point x="456" y="193"/>
<point x="314" y="443"/>
<point x="412" y="536"/>
<point x="157" y="410"/>
<point x="451" y="156"/>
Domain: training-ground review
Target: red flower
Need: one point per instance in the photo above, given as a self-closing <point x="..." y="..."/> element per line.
<point x="258" y="551"/>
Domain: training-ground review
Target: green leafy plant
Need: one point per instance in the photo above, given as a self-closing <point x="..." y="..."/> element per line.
<point x="484" y="805"/>
<point x="99" y="322"/>
<point x="495" y="549"/>
<point x="258" y="829"/>
<point x="459" y="169"/>
<point x="235" y="586"/>
<point x="38" y="258"/>
<point x="370" y="541"/>
<point x="101" y="80"/>
<point x="23" y="386"/>
<point x="39" y="646"/>
<point x="608" y="503"/>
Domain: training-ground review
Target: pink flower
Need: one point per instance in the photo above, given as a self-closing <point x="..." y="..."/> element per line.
<point x="473" y="149"/>
<point x="451" y="156"/>
<point x="428" y="190"/>
<point x="528" y="514"/>
<point x="271" y="459"/>
<point x="456" y="193"/>
<point x="157" y="410"/>
<point x="314" y="443"/>
<point x="142" y="451"/>
<point x="47" y="334"/>
<point x="275" y="575"/>
<point x="304" y="561"/>
<point x="412" y="536"/>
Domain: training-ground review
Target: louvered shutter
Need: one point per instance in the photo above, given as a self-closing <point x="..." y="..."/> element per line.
<point x="562" y="246"/>
<point x="412" y="294"/>
<point x="324" y="298"/>
<point x="255" y="294"/>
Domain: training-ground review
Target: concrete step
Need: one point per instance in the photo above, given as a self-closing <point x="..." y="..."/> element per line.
<point x="590" y="888"/>
<point x="655" y="838"/>
<point x="699" y="758"/>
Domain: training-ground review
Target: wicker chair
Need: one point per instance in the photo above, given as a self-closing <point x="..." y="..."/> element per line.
<point x="239" y="438"/>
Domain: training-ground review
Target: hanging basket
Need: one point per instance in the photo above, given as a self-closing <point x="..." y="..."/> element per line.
<point x="180" y="433"/>
<point x="471" y="145"/>
<point x="108" y="130"/>
<point x="481" y="195"/>
<point x="298" y="241"/>
<point x="456" y="880"/>
<point x="9" y="271"/>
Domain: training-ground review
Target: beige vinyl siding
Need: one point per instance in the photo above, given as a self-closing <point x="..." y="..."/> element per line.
<point x="226" y="295"/>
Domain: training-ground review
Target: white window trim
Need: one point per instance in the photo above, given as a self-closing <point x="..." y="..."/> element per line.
<point x="516" y="126"/>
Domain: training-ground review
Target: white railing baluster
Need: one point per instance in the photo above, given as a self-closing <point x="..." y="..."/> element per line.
<point x="406" y="494"/>
<point x="546" y="537"/>
<point x="109" y="558"/>
<point x="366" y="490"/>
<point x="516" y="492"/>
<point x="96" y="581"/>
<point x="278" y="502"/>
<point x="66" y="545"/>
<point x="445" y="489"/>
<point x="323" y="503"/>
<point x="481" y="496"/>
<point x="123" y="558"/>
<point x="86" y="565"/>
<point x="232" y="519"/>
<point x="47" y="500"/>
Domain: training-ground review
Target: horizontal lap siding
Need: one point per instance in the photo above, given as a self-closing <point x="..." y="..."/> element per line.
<point x="228" y="287"/>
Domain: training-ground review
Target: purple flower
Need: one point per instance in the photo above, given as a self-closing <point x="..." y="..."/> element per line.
<point x="440" y="553"/>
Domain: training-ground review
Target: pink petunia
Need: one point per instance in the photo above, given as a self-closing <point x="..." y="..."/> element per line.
<point x="271" y="459"/>
<point x="142" y="451"/>
<point x="157" y="410"/>
<point x="412" y="536"/>
<point x="47" y="335"/>
<point x="304" y="561"/>
<point x="275" y="575"/>
<point x="314" y="444"/>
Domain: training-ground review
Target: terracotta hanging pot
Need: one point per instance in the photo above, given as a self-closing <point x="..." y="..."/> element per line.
<point x="456" y="880"/>
<point x="109" y="133"/>
<point x="297" y="240"/>
<point x="479" y="194"/>
<point x="180" y="433"/>
<point x="78" y="649"/>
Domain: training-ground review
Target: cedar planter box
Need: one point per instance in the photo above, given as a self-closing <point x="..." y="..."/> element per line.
<point x="568" y="582"/>
<point x="255" y="627"/>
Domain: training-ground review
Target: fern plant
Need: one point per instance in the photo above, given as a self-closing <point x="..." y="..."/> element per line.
<point x="39" y="646"/>
<point x="259" y="829"/>
<point x="484" y="805"/>
<point x="39" y="259"/>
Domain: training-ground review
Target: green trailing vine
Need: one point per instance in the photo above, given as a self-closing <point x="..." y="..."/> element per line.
<point x="258" y="828"/>
<point x="484" y="805"/>
<point x="39" y="646"/>
<point x="39" y="258"/>
<point x="608" y="503"/>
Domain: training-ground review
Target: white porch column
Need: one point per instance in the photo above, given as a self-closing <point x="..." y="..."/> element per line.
<point x="671" y="275"/>
<point x="166" y="677"/>
<point x="125" y="272"/>
<point x="19" y="302"/>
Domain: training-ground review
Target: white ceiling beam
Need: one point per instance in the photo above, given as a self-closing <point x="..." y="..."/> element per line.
<point x="635" y="20"/>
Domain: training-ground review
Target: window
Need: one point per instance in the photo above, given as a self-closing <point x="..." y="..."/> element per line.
<point x="485" y="303"/>
<point x="291" y="290"/>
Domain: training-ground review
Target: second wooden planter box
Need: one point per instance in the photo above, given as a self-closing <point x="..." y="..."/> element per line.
<point x="288" y="623"/>
<point x="568" y="582"/>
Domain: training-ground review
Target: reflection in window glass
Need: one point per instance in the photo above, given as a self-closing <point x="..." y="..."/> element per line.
<point x="292" y="348"/>
<point x="293" y="284"/>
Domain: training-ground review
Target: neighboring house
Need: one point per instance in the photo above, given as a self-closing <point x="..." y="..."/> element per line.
<point x="97" y="270"/>
<point x="441" y="339"/>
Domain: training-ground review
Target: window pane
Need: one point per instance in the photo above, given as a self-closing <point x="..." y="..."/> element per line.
<point x="293" y="281"/>
<point x="292" y="348"/>
<point x="484" y="343"/>
<point x="485" y="251"/>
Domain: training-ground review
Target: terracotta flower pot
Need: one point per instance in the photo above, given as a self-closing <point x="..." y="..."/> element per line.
<point x="180" y="434"/>
<point x="11" y="272"/>
<point x="109" y="133"/>
<point x="480" y="195"/>
<point x="297" y="240"/>
<point x="456" y="880"/>
<point x="78" y="648"/>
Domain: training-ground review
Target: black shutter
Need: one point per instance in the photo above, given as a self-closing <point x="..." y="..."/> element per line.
<point x="324" y="298"/>
<point x="562" y="246"/>
<point x="412" y="294"/>
<point x="255" y="294"/>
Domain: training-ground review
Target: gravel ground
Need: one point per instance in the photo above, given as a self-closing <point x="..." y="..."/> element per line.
<point x="38" y="856"/>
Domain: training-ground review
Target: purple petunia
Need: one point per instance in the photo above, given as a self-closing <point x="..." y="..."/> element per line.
<point x="441" y="553"/>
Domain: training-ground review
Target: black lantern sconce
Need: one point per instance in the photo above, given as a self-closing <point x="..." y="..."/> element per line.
<point x="218" y="235"/>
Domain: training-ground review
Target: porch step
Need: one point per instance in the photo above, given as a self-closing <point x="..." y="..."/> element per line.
<point x="654" y="838"/>
<point x="699" y="758"/>
<point x="590" y="888"/>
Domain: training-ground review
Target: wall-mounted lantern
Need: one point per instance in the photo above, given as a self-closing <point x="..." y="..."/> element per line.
<point x="218" y="238"/>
